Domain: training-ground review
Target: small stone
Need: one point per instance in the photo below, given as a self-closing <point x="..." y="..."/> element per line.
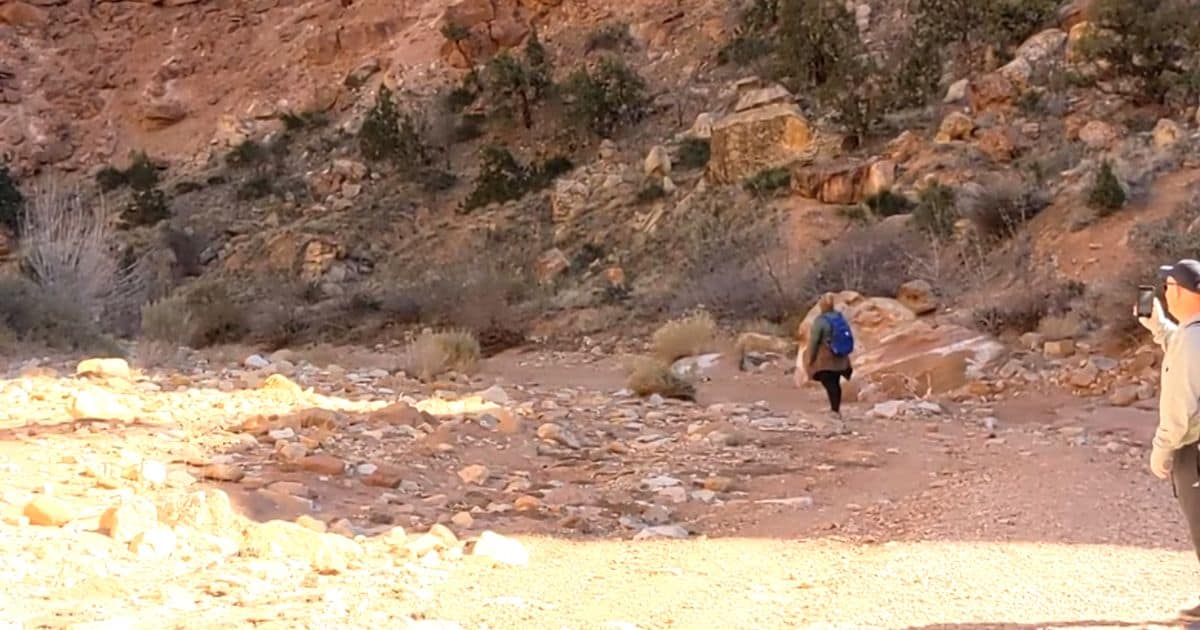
<point x="662" y="531"/>
<point x="1060" y="349"/>
<point x="385" y="476"/>
<point x="104" y="368"/>
<point x="286" y="433"/>
<point x="444" y="534"/>
<point x="554" y="433"/>
<point x="98" y="405"/>
<point x="256" y="362"/>
<point x="125" y="521"/>
<point x="463" y="520"/>
<point x="155" y="543"/>
<point x="323" y="465"/>
<point x="366" y="469"/>
<point x="1124" y="396"/>
<point x="343" y="527"/>
<point x="527" y="503"/>
<point x="290" y="453"/>
<point x="153" y="472"/>
<point x="48" y="511"/>
<point x="717" y="484"/>
<point x="180" y="479"/>
<point x="223" y="472"/>
<point x="310" y="523"/>
<point x="495" y="395"/>
<point x="660" y="482"/>
<point x="500" y="549"/>
<point x="474" y="474"/>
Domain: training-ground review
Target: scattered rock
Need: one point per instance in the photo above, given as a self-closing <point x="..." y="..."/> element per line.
<point x="474" y="474"/>
<point x="957" y="92"/>
<point x="918" y="296"/>
<point x="662" y="531"/>
<point x="1124" y="396"/>
<point x="327" y="553"/>
<point x="657" y="163"/>
<point x="125" y="521"/>
<point x="323" y="465"/>
<point x="48" y="511"/>
<point x="955" y="126"/>
<point x="1166" y="133"/>
<point x="500" y="549"/>
<point x="156" y="543"/>
<point x="1097" y="134"/>
<point x="385" y="476"/>
<point x="463" y="520"/>
<point x="256" y="362"/>
<point x="103" y="368"/>
<point x="1060" y="349"/>
<point x="96" y="404"/>
<point x="552" y="432"/>
<point x="495" y="395"/>
<point x="223" y="472"/>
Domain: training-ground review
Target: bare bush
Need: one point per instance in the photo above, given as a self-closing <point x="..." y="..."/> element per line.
<point x="203" y="315"/>
<point x="649" y="376"/>
<point x="686" y="337"/>
<point x="67" y="248"/>
<point x="48" y="317"/>
<point x="433" y="354"/>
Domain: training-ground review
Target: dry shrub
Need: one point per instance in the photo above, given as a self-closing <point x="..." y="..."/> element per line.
<point x="766" y="327"/>
<point x="999" y="208"/>
<point x="433" y="354"/>
<point x="686" y="337"/>
<point x="871" y="260"/>
<point x="649" y="376"/>
<point x="489" y="301"/>
<point x="48" y="317"/>
<point x="67" y="249"/>
<point x="1022" y="310"/>
<point x="1060" y="327"/>
<point x="203" y="316"/>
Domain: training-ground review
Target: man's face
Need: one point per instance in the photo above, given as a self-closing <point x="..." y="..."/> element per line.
<point x="1171" y="294"/>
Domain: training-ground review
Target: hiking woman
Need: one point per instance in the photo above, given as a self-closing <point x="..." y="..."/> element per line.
<point x="827" y="357"/>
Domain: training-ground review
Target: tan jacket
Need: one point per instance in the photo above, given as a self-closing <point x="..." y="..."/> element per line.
<point x="1179" y="400"/>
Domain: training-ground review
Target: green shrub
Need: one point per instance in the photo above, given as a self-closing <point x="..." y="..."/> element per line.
<point x="936" y="211"/>
<point x="1003" y="207"/>
<point x="12" y="202"/>
<point x="389" y="135"/>
<point x="147" y="208"/>
<point x="610" y="37"/>
<point x="503" y="178"/>
<point x="299" y="121"/>
<point x="455" y="32"/>
<point x="1151" y="41"/>
<point x="248" y="153"/>
<point x="887" y="204"/>
<point x="745" y="49"/>
<point x="693" y="153"/>
<point x="768" y="182"/>
<point x="1107" y="195"/>
<point x="464" y="94"/>
<point x="111" y="178"/>
<point x="469" y="127"/>
<point x="142" y="174"/>
<point x="607" y="98"/>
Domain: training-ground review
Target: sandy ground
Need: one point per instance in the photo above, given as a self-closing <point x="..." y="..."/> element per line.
<point x="920" y="521"/>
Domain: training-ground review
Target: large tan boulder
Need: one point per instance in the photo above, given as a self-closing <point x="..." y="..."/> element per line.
<point x="839" y="182"/>
<point x="746" y="143"/>
<point x="870" y="318"/>
<point x="955" y="126"/>
<point x="928" y="359"/>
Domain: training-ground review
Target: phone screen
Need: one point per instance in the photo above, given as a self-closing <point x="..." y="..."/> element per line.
<point x="1145" y="305"/>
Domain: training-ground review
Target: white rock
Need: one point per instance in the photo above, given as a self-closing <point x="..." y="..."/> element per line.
<point x="156" y="543"/>
<point x="500" y="549"/>
<point x="496" y="395"/>
<point x="286" y="433"/>
<point x="118" y="368"/>
<point x="661" y="481"/>
<point x="366" y="469"/>
<point x="152" y="472"/>
<point x="889" y="409"/>
<point x="957" y="91"/>
<point x="662" y="531"/>
<point x="256" y="362"/>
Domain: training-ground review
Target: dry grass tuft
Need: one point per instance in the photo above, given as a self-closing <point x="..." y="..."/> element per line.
<point x="687" y="337"/>
<point x="433" y="354"/>
<point x="649" y="376"/>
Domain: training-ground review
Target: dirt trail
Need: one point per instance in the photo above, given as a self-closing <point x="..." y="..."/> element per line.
<point x="925" y="520"/>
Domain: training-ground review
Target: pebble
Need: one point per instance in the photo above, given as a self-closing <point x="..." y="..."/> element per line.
<point x="48" y="511"/>
<point x="256" y="362"/>
<point x="500" y="549"/>
<point x="224" y="472"/>
<point x="474" y="474"/>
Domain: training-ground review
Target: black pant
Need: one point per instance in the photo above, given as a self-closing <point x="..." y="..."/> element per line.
<point x="1185" y="477"/>
<point x="832" y="381"/>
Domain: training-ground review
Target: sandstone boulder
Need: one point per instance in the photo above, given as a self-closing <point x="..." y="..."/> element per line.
<point x="327" y="553"/>
<point x="1097" y="134"/>
<point x="918" y="296"/>
<point x="838" y="182"/>
<point x="991" y="91"/>
<point x="657" y="163"/>
<point x="1166" y="133"/>
<point x="550" y="265"/>
<point x="930" y="359"/>
<point x="762" y="97"/>
<point x="871" y="318"/>
<point x="746" y="143"/>
<point x="103" y="368"/>
<point x="881" y="177"/>
<point x="955" y="126"/>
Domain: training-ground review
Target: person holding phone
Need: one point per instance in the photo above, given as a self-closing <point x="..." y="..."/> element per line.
<point x="1175" y="452"/>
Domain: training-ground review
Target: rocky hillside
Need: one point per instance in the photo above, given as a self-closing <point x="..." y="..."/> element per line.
<point x="540" y="169"/>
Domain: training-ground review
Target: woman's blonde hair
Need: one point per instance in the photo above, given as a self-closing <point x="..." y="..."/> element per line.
<point x="825" y="304"/>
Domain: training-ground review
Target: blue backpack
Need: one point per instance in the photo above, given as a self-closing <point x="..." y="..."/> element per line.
<point x="841" y="339"/>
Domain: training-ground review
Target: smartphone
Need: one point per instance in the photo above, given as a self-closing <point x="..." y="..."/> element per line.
<point x="1145" y="303"/>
